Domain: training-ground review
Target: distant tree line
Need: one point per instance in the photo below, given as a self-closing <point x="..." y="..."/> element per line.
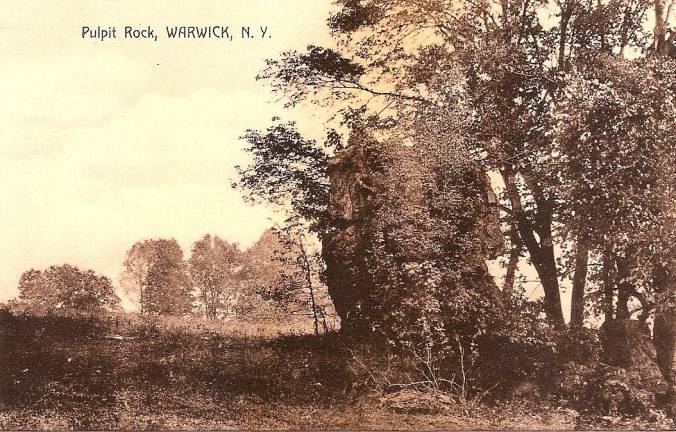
<point x="276" y="276"/>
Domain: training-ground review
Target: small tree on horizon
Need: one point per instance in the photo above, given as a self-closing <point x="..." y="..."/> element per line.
<point x="66" y="288"/>
<point x="155" y="272"/>
<point x="214" y="268"/>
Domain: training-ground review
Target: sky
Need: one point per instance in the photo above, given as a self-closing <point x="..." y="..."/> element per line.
<point x="104" y="143"/>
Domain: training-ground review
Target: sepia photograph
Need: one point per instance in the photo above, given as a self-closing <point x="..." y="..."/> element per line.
<point x="338" y="215"/>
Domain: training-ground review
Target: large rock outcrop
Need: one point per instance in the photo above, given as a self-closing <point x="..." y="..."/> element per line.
<point x="627" y="344"/>
<point x="352" y="197"/>
<point x="632" y="379"/>
<point x="401" y="220"/>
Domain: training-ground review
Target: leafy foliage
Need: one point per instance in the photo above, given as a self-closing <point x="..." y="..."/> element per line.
<point x="155" y="272"/>
<point x="287" y="170"/>
<point x="214" y="268"/>
<point x="615" y="158"/>
<point x="66" y="288"/>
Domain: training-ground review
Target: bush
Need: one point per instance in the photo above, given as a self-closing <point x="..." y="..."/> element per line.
<point x="526" y="348"/>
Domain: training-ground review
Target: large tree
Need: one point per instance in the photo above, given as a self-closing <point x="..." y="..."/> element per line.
<point x="615" y="163"/>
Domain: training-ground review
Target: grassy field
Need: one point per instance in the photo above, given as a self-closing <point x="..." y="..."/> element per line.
<point x="72" y="373"/>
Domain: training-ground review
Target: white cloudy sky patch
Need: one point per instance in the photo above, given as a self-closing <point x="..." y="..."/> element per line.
<point x="104" y="144"/>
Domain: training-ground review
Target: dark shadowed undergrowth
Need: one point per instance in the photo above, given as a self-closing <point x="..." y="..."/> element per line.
<point x="76" y="373"/>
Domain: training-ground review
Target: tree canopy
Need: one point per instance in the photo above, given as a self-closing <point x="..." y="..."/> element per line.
<point x="155" y="274"/>
<point x="214" y="268"/>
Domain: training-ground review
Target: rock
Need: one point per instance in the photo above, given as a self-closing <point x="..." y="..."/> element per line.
<point x="664" y="338"/>
<point x="573" y="381"/>
<point x="409" y="401"/>
<point x="352" y="197"/>
<point x="607" y="390"/>
<point x="625" y="382"/>
<point x="526" y="389"/>
<point x="627" y="344"/>
<point x="633" y="379"/>
<point x="622" y="391"/>
<point x="118" y="337"/>
<point x="385" y="205"/>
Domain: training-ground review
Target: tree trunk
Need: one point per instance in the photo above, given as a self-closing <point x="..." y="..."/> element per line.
<point x="325" y="325"/>
<point x="664" y="338"/>
<point x="510" y="275"/>
<point x="608" y="289"/>
<point x="624" y="29"/>
<point x="664" y="333"/>
<point x="622" y="308"/>
<point x="646" y="305"/>
<point x="565" y="18"/>
<point x="659" y="31"/>
<point x="624" y="287"/>
<point x="542" y="252"/>
<point x="308" y="279"/>
<point x="141" y="290"/>
<point x="550" y="283"/>
<point x="579" y="282"/>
